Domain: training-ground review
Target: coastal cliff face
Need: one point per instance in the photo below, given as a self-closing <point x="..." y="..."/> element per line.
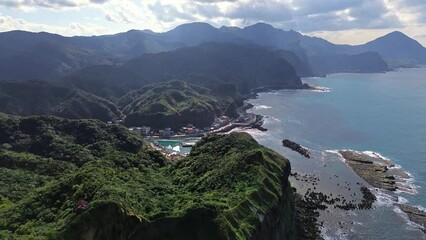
<point x="238" y="195"/>
<point x="229" y="187"/>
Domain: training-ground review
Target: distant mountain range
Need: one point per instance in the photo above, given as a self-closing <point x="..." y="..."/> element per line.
<point x="50" y="56"/>
<point x="88" y="77"/>
<point x="209" y="65"/>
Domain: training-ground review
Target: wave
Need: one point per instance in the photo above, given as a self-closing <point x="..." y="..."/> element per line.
<point x="262" y="107"/>
<point x="294" y="121"/>
<point x="336" y="151"/>
<point x="384" y="198"/>
<point x="315" y="89"/>
<point x="321" y="89"/>
<point x="404" y="179"/>
<point x="374" y="155"/>
<point x="410" y="224"/>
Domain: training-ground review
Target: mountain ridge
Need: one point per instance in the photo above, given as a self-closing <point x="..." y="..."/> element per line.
<point x="119" y="48"/>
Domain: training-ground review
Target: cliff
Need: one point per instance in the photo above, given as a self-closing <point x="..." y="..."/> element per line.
<point x="86" y="180"/>
<point x="368" y="62"/>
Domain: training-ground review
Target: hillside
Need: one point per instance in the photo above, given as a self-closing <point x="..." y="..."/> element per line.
<point x="300" y="62"/>
<point x="44" y="56"/>
<point x="369" y="62"/>
<point x="395" y="47"/>
<point x="51" y="56"/>
<point x="172" y="104"/>
<point x="83" y="179"/>
<point x="35" y="97"/>
<point x="208" y="65"/>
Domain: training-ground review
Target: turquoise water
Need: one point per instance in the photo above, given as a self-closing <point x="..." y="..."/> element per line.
<point x="384" y="113"/>
<point x="174" y="146"/>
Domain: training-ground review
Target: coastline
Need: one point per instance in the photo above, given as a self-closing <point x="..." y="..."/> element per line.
<point x="372" y="198"/>
<point x="313" y="202"/>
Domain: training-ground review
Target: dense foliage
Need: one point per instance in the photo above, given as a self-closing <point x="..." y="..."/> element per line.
<point x="209" y="65"/>
<point x="174" y="104"/>
<point x="49" y="166"/>
<point x="44" y="55"/>
<point x="35" y="97"/>
<point x="47" y="56"/>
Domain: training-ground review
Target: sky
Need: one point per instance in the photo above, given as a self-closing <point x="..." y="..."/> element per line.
<point x="339" y="21"/>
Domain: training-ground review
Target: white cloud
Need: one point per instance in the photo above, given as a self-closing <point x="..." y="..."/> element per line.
<point x="309" y="16"/>
<point x="8" y="23"/>
<point x="123" y="11"/>
<point x="52" y="4"/>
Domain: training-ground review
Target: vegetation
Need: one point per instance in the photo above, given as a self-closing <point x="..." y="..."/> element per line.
<point x="174" y="104"/>
<point x="111" y="186"/>
<point x="208" y="65"/>
<point x="45" y="56"/>
<point x="36" y="97"/>
<point x="364" y="63"/>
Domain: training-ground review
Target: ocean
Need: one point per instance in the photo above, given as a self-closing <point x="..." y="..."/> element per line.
<point x="380" y="113"/>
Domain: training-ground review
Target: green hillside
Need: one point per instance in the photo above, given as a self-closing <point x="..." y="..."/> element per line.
<point x="173" y="104"/>
<point x="35" y="97"/>
<point x="229" y="187"/>
<point x="208" y="65"/>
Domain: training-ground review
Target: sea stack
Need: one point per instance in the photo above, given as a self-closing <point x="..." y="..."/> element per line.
<point x="296" y="147"/>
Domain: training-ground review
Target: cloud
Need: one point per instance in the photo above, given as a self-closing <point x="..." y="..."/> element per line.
<point x="266" y="11"/>
<point x="53" y="4"/>
<point x="8" y="23"/>
<point x="302" y="15"/>
<point x="169" y="13"/>
<point x="124" y="11"/>
<point x="307" y="16"/>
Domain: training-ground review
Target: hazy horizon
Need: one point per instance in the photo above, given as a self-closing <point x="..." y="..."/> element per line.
<point x="360" y="43"/>
<point x="342" y="22"/>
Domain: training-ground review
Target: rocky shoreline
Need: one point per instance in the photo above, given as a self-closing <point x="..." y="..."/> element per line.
<point x="306" y="224"/>
<point x="415" y="215"/>
<point x="296" y="147"/>
<point x="310" y="203"/>
<point x="376" y="174"/>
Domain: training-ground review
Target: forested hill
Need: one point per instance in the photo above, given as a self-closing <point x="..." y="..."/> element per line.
<point x="51" y="56"/>
<point x="175" y="104"/>
<point x="69" y="179"/>
<point x="208" y="65"/>
<point x="36" y="97"/>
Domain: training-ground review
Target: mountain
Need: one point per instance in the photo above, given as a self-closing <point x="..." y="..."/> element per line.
<point x="208" y="65"/>
<point x="172" y="104"/>
<point x="395" y="46"/>
<point x="193" y="34"/>
<point x="77" y="179"/>
<point x="369" y="62"/>
<point x="44" y="56"/>
<point x="35" y="97"/>
<point x="300" y="62"/>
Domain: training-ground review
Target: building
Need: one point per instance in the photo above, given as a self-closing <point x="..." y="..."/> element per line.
<point x="145" y="130"/>
<point x="166" y="133"/>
